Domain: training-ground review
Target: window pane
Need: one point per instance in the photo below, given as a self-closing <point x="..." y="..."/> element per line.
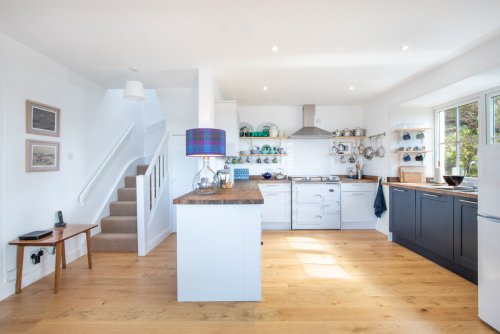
<point x="496" y="117"/>
<point x="468" y="158"/>
<point x="449" y="152"/>
<point x="469" y="123"/>
<point x="450" y="125"/>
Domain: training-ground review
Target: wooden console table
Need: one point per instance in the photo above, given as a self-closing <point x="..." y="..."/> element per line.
<point x="56" y="240"/>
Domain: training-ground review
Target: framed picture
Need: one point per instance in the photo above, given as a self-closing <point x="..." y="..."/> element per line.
<point x="42" y="119"/>
<point x="42" y="156"/>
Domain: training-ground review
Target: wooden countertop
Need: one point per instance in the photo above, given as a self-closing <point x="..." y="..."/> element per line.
<point x="243" y="192"/>
<point x="260" y="179"/>
<point x="427" y="187"/>
<point x="365" y="179"/>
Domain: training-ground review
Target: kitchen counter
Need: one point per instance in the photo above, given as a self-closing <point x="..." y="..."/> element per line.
<point x="242" y="192"/>
<point x="218" y="244"/>
<point x="365" y="179"/>
<point x="431" y="188"/>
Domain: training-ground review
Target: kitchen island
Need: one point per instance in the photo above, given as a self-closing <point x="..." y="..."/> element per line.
<point x="219" y="244"/>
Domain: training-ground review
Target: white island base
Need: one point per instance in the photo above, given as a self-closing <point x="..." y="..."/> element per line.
<point x="219" y="252"/>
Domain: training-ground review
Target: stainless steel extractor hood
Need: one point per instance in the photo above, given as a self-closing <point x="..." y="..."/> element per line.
<point x="309" y="131"/>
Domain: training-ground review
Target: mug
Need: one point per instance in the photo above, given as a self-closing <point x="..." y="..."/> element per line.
<point x="401" y="148"/>
<point x="335" y="150"/>
<point x="408" y="149"/>
<point x="416" y="148"/>
<point x="406" y="136"/>
<point x="420" y="135"/>
<point x="275" y="160"/>
<point x="419" y="157"/>
<point x="352" y="160"/>
<point x="342" y="159"/>
<point x="406" y="157"/>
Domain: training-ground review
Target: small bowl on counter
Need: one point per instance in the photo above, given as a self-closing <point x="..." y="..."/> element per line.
<point x="453" y="180"/>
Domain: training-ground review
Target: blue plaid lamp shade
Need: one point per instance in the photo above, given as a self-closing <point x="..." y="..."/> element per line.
<point x="205" y="142"/>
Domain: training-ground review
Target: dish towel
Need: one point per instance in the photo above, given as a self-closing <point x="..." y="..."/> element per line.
<point x="379" y="205"/>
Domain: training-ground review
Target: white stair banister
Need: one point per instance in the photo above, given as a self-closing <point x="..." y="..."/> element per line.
<point x="150" y="188"/>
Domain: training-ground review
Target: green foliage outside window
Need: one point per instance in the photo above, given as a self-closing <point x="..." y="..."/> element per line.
<point x="462" y="143"/>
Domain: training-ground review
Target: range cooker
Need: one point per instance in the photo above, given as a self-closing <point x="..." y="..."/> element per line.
<point x="315" y="202"/>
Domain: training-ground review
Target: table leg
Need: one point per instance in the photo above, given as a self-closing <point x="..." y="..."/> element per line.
<point x="19" y="267"/>
<point x="57" y="279"/>
<point x="63" y="254"/>
<point x="89" y="248"/>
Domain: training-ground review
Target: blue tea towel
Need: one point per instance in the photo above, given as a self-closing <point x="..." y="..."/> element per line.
<point x="379" y="205"/>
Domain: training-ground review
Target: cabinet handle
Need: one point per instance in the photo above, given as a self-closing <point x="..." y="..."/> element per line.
<point x="359" y="193"/>
<point x="431" y="195"/>
<point x="271" y="194"/>
<point x="399" y="190"/>
<point x="470" y="202"/>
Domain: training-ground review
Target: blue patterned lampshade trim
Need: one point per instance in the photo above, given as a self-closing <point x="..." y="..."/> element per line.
<point x="205" y="142"/>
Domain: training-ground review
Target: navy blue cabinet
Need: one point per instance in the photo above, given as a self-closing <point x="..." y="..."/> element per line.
<point x="465" y="236"/>
<point x="402" y="213"/>
<point x="435" y="223"/>
<point x="442" y="228"/>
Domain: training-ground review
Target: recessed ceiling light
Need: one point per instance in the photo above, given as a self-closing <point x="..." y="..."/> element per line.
<point x="351" y="88"/>
<point x="274" y="48"/>
<point x="264" y="88"/>
<point x="405" y="47"/>
<point x="133" y="69"/>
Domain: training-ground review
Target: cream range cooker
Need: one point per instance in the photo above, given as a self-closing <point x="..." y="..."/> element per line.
<point x="315" y="202"/>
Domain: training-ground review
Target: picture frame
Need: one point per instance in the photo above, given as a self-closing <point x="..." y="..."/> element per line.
<point x="42" y="156"/>
<point x="42" y="119"/>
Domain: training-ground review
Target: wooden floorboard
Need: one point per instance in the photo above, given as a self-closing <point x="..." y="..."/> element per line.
<point x="313" y="282"/>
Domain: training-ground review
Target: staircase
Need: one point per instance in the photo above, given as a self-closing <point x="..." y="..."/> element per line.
<point x="119" y="230"/>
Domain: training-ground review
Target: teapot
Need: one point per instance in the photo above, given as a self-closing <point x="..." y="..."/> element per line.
<point x="267" y="175"/>
<point x="279" y="175"/>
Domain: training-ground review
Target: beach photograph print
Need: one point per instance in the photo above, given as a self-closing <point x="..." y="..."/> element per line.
<point x="42" y="119"/>
<point x="42" y="156"/>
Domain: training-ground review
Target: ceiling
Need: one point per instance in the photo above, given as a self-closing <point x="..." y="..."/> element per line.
<point x="324" y="46"/>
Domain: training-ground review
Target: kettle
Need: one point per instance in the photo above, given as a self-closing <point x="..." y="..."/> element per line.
<point x="279" y="175"/>
<point x="267" y="175"/>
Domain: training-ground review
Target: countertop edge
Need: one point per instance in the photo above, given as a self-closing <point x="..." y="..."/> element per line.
<point x="416" y="186"/>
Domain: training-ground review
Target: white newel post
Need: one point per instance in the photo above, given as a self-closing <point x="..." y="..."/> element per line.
<point x="141" y="224"/>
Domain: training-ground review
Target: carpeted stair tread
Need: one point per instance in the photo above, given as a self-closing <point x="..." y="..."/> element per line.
<point x="127" y="194"/>
<point x="114" y="242"/>
<point x="130" y="182"/>
<point x="141" y="169"/>
<point x="123" y="208"/>
<point x="119" y="224"/>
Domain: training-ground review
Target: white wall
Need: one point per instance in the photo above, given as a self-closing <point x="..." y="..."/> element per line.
<point x="384" y="111"/>
<point x="306" y="156"/>
<point x="153" y="119"/>
<point x="92" y="121"/>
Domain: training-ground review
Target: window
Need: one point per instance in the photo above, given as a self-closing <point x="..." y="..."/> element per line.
<point x="493" y="106"/>
<point x="458" y="138"/>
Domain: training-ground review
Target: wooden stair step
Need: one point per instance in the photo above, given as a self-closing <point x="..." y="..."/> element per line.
<point x="130" y="182"/>
<point x="114" y="242"/>
<point x="123" y="208"/>
<point x="127" y="194"/>
<point x="141" y="169"/>
<point x="119" y="224"/>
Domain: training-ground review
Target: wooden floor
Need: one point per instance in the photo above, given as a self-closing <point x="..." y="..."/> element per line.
<point x="313" y="282"/>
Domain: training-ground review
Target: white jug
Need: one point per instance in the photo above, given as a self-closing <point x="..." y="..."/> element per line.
<point x="273" y="131"/>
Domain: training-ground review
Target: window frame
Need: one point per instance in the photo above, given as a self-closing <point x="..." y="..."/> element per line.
<point x="437" y="133"/>
<point x="490" y="118"/>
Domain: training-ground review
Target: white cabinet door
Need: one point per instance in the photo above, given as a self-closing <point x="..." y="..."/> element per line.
<point x="276" y="211"/>
<point x="357" y="210"/>
<point x="226" y="118"/>
<point x="276" y="208"/>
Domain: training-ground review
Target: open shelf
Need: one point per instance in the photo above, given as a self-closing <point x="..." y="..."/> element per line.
<point x="401" y="152"/>
<point x="345" y="154"/>
<point x="349" y="137"/>
<point x="263" y="155"/>
<point x="263" y="137"/>
<point x="412" y="129"/>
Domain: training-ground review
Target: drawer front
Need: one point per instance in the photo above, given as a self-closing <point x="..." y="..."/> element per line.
<point x="274" y="187"/>
<point x="358" y="187"/>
